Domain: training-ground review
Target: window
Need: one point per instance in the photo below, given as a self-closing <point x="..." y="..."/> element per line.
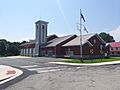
<point x="36" y="26"/>
<point x="111" y="48"/>
<point x="94" y="41"/>
<point x="43" y="36"/>
<point x="70" y="52"/>
<point x="43" y="33"/>
<point x="43" y="27"/>
<point x="50" y="53"/>
<point x="116" y="48"/>
<point x="101" y="46"/>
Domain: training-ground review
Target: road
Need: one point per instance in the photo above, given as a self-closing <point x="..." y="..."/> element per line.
<point x="41" y="75"/>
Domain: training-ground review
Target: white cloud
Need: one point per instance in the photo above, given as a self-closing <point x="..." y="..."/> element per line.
<point x="61" y="11"/>
<point x="116" y="33"/>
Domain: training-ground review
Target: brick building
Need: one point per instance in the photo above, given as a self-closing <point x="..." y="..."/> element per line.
<point x="66" y="46"/>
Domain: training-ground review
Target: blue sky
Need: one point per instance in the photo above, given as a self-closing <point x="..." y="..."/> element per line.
<point x="17" y="17"/>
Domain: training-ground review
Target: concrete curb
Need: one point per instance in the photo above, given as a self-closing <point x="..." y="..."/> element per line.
<point x="8" y="73"/>
<point x="17" y="57"/>
<point x="94" y="64"/>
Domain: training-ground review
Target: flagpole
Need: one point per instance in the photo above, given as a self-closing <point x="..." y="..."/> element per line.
<point x="81" y="57"/>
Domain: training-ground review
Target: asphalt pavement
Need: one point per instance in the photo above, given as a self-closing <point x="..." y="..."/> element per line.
<point x="41" y="75"/>
<point x="29" y="66"/>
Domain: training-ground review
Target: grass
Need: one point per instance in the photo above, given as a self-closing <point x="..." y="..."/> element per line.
<point x="91" y="61"/>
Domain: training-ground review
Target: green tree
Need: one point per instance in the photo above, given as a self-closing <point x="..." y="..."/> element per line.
<point x="13" y="49"/>
<point x="23" y="42"/>
<point x="106" y="37"/>
<point x="9" y="48"/>
<point x="3" y="44"/>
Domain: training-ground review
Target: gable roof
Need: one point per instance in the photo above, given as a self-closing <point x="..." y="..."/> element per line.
<point x="50" y="37"/>
<point x="115" y="44"/>
<point x="76" y="41"/>
<point x="34" y="41"/>
<point x="58" y="40"/>
<point x="28" y="43"/>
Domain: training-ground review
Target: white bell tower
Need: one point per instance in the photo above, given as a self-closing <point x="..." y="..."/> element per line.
<point x="41" y="36"/>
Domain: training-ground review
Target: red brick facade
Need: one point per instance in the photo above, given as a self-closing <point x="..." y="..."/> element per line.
<point x="88" y="51"/>
<point x="94" y="47"/>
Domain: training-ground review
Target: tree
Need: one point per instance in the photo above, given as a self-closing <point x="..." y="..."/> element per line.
<point x="106" y="37"/>
<point x="13" y="49"/>
<point x="9" y="48"/>
<point x="3" y="44"/>
<point x="23" y="42"/>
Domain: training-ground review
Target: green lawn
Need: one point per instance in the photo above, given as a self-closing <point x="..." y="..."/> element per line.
<point x="90" y="61"/>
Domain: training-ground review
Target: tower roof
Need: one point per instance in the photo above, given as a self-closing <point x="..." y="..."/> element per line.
<point x="41" y="21"/>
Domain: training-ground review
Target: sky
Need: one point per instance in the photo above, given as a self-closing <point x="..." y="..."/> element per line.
<point x="18" y="17"/>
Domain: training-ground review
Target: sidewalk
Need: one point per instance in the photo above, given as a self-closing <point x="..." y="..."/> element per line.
<point x="8" y="73"/>
<point x="83" y="64"/>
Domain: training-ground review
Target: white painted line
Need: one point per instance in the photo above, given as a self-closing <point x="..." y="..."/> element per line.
<point x="18" y="73"/>
<point x="28" y="66"/>
<point x="44" y="68"/>
<point x="44" y="71"/>
<point x="17" y="57"/>
<point x="94" y="64"/>
<point x="34" y="69"/>
<point x="78" y="67"/>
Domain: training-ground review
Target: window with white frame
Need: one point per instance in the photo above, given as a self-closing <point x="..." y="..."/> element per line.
<point x="70" y="52"/>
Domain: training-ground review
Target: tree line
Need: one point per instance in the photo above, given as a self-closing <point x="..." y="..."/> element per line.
<point x="9" y="48"/>
<point x="13" y="48"/>
<point x="106" y="37"/>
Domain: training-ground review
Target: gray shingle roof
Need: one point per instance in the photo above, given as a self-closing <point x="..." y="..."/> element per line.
<point x="33" y="41"/>
<point x="58" y="40"/>
<point x="76" y="41"/>
<point x="27" y="43"/>
<point x="51" y="35"/>
<point x="41" y="21"/>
